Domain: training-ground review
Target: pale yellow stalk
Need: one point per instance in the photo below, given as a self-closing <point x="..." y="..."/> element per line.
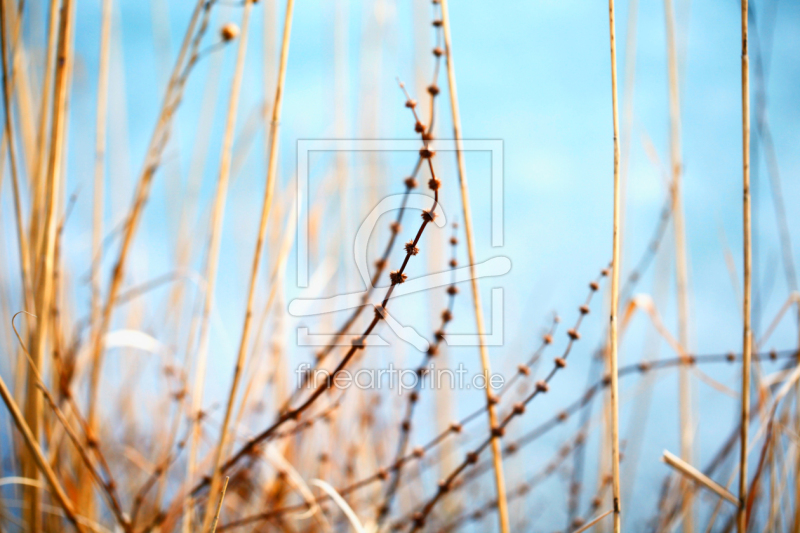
<point x="100" y="157"/>
<point x="215" y="238"/>
<point x="681" y="278"/>
<point x="272" y="170"/>
<point x="46" y="256"/>
<point x="497" y="457"/>
<point x="40" y="170"/>
<point x="693" y="473"/>
<point x="219" y="505"/>
<point x="615" y="270"/>
<point x="8" y="76"/>
<point x="98" y="191"/>
<point x="140" y="197"/>
<point x="589" y="525"/>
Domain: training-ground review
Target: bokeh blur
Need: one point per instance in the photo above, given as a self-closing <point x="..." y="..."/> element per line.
<point x="534" y="76"/>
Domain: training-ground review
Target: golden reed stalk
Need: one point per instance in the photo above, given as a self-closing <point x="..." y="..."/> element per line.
<point x="497" y="454"/>
<point x="215" y="241"/>
<point x="272" y="170"/>
<point x="681" y="277"/>
<point x="747" y="339"/>
<point x="615" y="269"/>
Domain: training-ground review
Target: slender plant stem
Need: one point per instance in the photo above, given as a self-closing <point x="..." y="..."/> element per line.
<point x="101" y="125"/>
<point x="542" y="386"/>
<point x="10" y="46"/>
<point x="215" y="240"/>
<point x="44" y="113"/>
<point x="8" y="76"/>
<point x="41" y="460"/>
<point x="28" y="468"/>
<point x="157" y="142"/>
<point x="741" y="519"/>
<point x="684" y="384"/>
<point x="100" y="156"/>
<point x="44" y="289"/>
<point x="358" y="343"/>
<point x="219" y="505"/>
<point x="693" y="473"/>
<point x="594" y="522"/>
<point x="615" y="270"/>
<point x="272" y="170"/>
<point x="497" y="455"/>
<point x="584" y="402"/>
<point x="108" y="489"/>
<point x="413" y="398"/>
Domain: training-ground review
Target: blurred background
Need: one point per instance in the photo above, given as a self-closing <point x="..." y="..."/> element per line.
<point x="534" y="75"/>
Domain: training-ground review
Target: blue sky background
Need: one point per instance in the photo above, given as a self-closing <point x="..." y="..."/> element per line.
<point x="535" y="75"/>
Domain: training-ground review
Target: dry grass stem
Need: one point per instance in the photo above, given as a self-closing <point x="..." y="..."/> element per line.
<point x="39" y="458"/>
<point x="615" y="273"/>
<point x="747" y="337"/>
<point x="215" y="241"/>
<point x="266" y="206"/>
<point x="701" y="479"/>
<point x="476" y="296"/>
<point x="219" y="505"/>
<point x="128" y="290"/>
<point x="593" y="522"/>
<point x="681" y="276"/>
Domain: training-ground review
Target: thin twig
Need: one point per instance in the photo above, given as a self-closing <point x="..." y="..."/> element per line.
<point x="397" y="277"/>
<point x="592" y="523"/>
<point x="219" y="505"/>
<point x="537" y="432"/>
<point x="413" y="398"/>
<point x="215" y="242"/>
<point x="542" y="387"/>
<point x="41" y="460"/>
<point x="272" y="171"/>
<point x="152" y="158"/>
